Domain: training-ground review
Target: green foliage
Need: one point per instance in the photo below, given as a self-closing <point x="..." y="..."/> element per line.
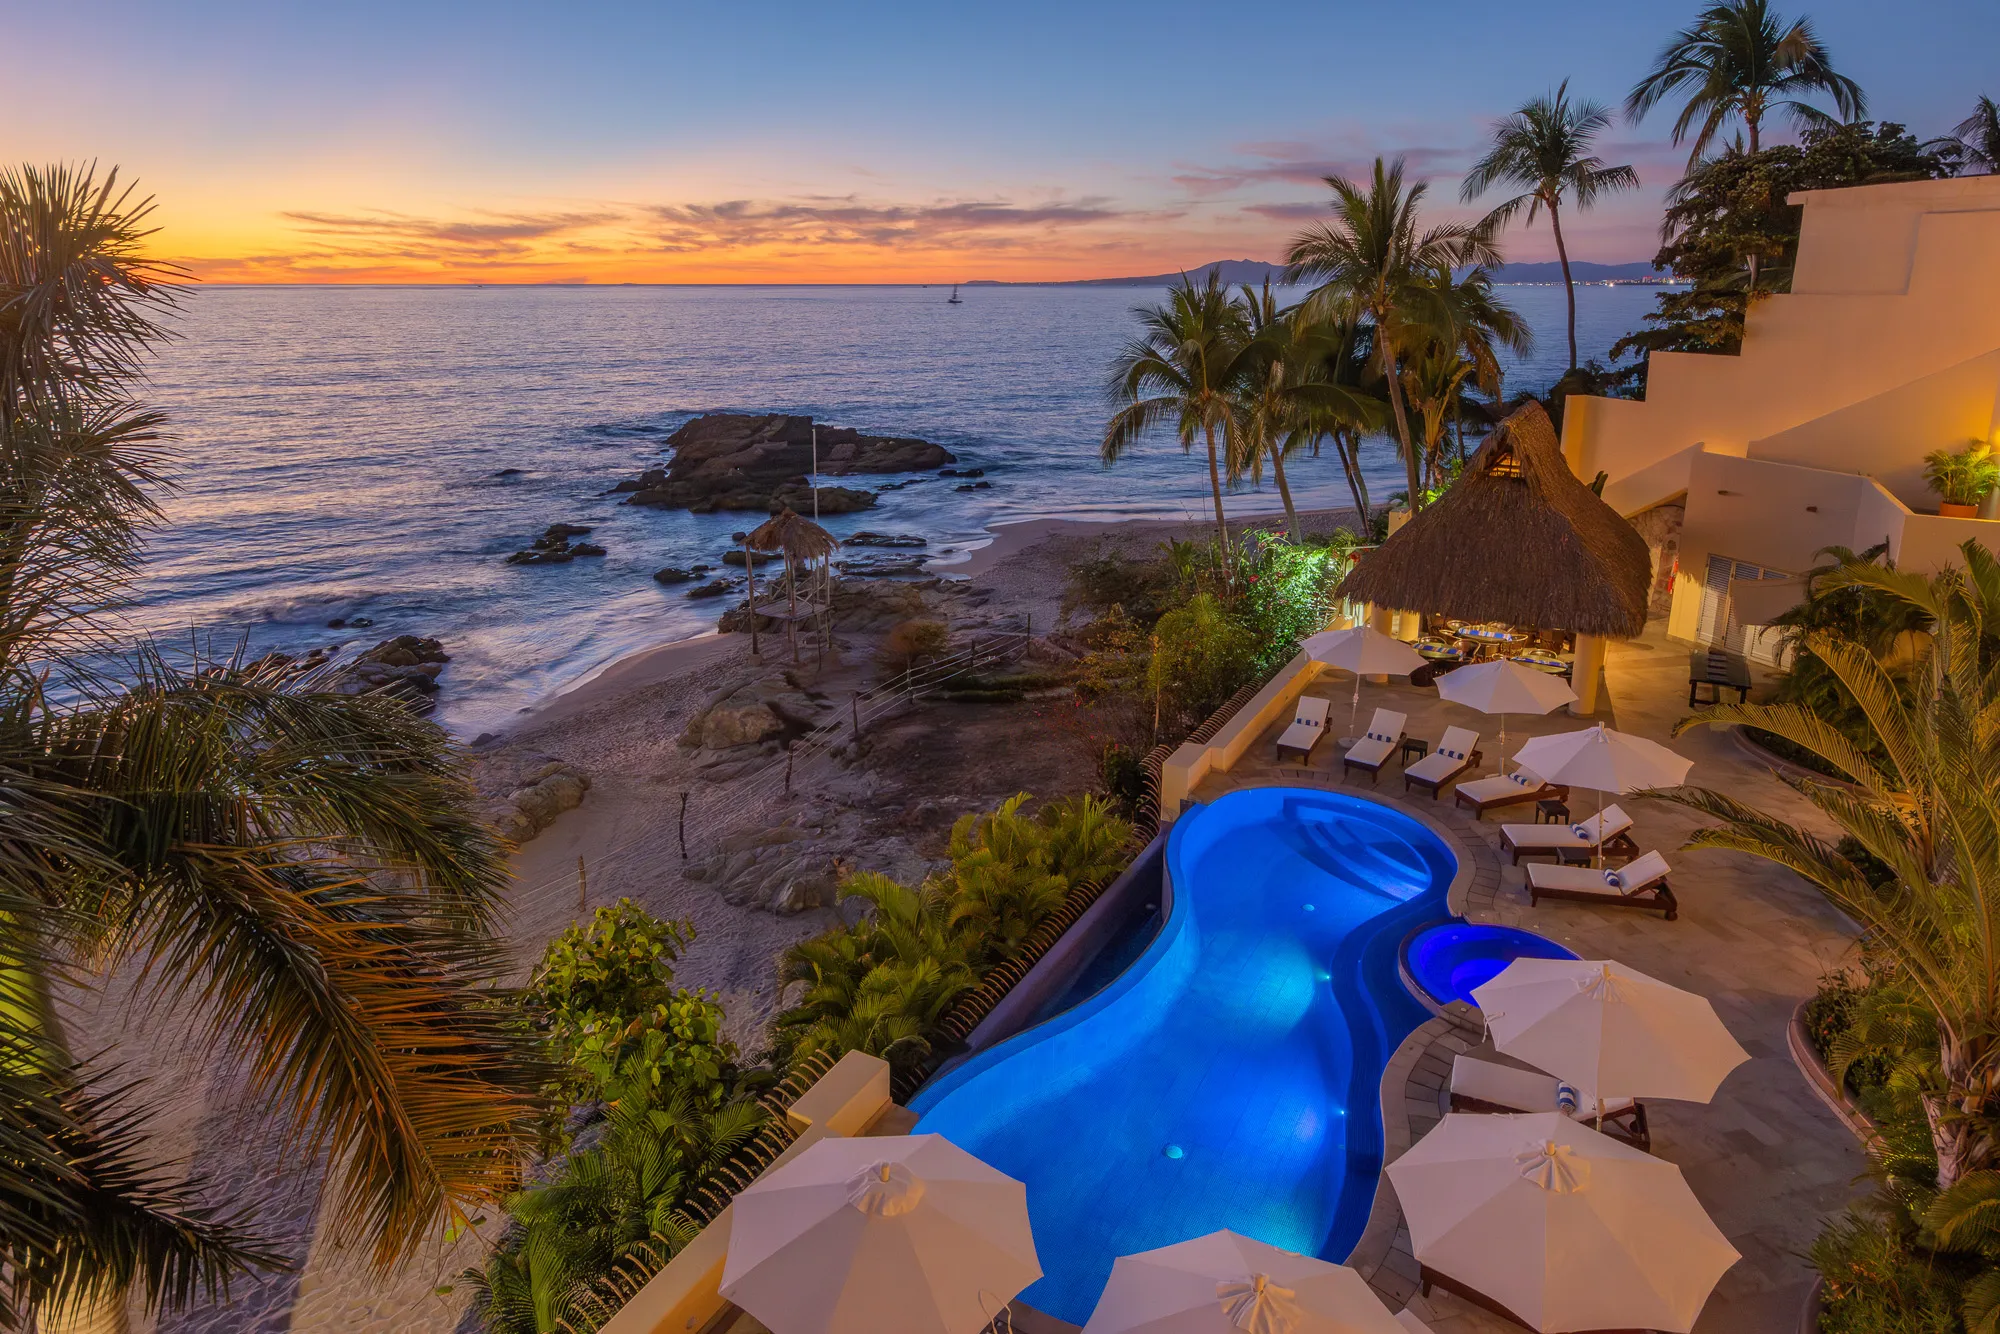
<point x="616" y="967"/>
<point x="1288" y="595"/>
<point x="1201" y="656"/>
<point x="650" y="1061"/>
<point x="1730" y="214"/>
<point x="1964" y="476"/>
<point x="1880" y="1281"/>
<point x="883" y="984"/>
<point x="1140" y="590"/>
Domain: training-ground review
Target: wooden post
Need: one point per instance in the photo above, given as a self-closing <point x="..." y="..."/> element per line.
<point x="854" y="707"/>
<point x="750" y="569"/>
<point x="684" y="826"/>
<point x="582" y="887"/>
<point x="788" y="771"/>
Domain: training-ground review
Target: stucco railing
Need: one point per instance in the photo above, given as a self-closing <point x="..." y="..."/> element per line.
<point x="1197" y="759"/>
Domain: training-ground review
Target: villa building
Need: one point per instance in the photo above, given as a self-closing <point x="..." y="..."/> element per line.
<point x="1739" y="469"/>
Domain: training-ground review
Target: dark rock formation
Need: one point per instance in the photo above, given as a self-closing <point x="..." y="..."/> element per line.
<point x="553" y="547"/>
<point x="737" y="461"/>
<point x="672" y="575"/>
<point x="798" y="497"/>
<point x="864" y="538"/>
<point x="713" y="589"/>
<point x="758" y="558"/>
<point x="406" y="666"/>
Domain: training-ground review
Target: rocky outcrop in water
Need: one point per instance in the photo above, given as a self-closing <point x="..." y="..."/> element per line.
<point x="554" y="547"/>
<point x="740" y="461"/>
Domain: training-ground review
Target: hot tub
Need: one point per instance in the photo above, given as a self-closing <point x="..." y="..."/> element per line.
<point x="1444" y="963"/>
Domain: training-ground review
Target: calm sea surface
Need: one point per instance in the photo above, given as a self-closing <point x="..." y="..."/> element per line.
<point x="340" y="448"/>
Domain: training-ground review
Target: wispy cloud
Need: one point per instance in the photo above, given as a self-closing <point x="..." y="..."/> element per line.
<point x="849" y="221"/>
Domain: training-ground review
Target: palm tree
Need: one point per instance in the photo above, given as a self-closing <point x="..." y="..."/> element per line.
<point x="1287" y="401"/>
<point x="1185" y="369"/>
<point x="1978" y="136"/>
<point x="1925" y="806"/>
<point x="1370" y="258"/>
<point x="1545" y="148"/>
<point x="300" y="870"/>
<point x="1740" y="59"/>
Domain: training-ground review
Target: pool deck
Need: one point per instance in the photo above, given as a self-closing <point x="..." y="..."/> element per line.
<point x="1766" y="1158"/>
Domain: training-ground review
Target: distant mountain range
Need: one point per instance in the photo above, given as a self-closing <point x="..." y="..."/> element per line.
<point x="1254" y="271"/>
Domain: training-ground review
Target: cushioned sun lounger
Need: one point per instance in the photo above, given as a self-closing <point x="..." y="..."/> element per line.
<point x="1371" y="752"/>
<point x="1515" y="789"/>
<point x="1308" y="726"/>
<point x="1452" y="757"/>
<point x="1552" y="840"/>
<point x="1487" y="1086"/>
<point x="1641" y="883"/>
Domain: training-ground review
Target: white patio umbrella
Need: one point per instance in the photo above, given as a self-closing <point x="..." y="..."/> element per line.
<point x="1609" y="1029"/>
<point x="1565" y="1228"/>
<point x="1605" y="759"/>
<point x="856" y="1236"/>
<point x="1503" y="687"/>
<point x="1365" y="651"/>
<point x="1225" y="1283"/>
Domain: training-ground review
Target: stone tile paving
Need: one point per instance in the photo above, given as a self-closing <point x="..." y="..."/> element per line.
<point x="1766" y="1158"/>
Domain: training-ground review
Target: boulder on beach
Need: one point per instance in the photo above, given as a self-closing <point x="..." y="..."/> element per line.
<point x="526" y="795"/>
<point x="406" y="667"/>
<point x="742" y="461"/>
<point x="757" y="711"/>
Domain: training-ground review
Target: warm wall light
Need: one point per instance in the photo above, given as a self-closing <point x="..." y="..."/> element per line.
<point x="1812" y="509"/>
<point x="1725" y="493"/>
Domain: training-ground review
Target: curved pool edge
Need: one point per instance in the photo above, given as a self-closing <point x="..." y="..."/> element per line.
<point x="1372" y="1248"/>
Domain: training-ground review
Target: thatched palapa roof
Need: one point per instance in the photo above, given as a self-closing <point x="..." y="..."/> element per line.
<point x="1516" y="539"/>
<point x="798" y="537"/>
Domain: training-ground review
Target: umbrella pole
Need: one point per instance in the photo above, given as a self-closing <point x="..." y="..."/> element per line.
<point x="1597" y="857"/>
<point x="1503" y="745"/>
<point x="1354" y="706"/>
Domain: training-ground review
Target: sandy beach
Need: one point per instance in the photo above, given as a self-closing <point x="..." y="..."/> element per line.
<point x="753" y="866"/>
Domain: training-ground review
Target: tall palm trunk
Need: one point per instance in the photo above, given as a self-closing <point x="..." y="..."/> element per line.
<point x="1752" y="114"/>
<point x="1215" y="489"/>
<point x="1961" y="1114"/>
<point x="1285" y="491"/>
<point x="1569" y="284"/>
<point x="1395" y="373"/>
<point x="1357" y="485"/>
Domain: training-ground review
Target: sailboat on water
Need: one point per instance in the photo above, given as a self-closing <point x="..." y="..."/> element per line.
<point x="953" y="299"/>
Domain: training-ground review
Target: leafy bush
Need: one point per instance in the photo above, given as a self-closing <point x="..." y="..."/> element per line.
<point x="914" y="641"/>
<point x="884" y="984"/>
<point x="1201" y="656"/>
<point x="1878" y="1280"/>
<point x="1142" y="590"/>
<point x="649" y="1063"/>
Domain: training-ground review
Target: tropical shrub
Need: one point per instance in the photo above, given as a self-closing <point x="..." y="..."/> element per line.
<point x="1201" y="656"/>
<point x="883" y="984"/>
<point x="666" y="1105"/>
<point x="1924" y="806"/>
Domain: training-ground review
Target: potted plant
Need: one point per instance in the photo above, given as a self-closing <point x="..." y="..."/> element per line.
<point x="1962" y="479"/>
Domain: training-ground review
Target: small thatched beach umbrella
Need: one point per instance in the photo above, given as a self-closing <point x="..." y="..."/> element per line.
<point x="802" y="543"/>
<point x="1516" y="539"/>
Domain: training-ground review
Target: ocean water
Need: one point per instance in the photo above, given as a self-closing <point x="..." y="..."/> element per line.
<point x="340" y="449"/>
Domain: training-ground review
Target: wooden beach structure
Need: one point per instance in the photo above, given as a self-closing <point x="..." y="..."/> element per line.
<point x="808" y="549"/>
<point x="1518" y="539"/>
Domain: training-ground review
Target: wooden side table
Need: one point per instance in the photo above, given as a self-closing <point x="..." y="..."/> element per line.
<point x="1416" y="743"/>
<point x="1551" y="810"/>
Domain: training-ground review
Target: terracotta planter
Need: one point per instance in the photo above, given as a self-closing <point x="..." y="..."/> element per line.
<point x="1951" y="509"/>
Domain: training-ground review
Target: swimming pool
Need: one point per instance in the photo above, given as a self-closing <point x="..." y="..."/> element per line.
<point x="1230" y="1077"/>
<point x="1451" y="960"/>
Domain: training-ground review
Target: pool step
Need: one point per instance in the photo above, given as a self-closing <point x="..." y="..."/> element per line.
<point x="1356" y="853"/>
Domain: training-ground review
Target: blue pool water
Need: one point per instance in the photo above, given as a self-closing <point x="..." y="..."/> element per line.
<point x="1450" y="960"/>
<point x="1230" y="1077"/>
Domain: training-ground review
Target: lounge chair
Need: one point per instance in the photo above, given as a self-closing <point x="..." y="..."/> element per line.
<point x="1641" y="883"/>
<point x="1523" y="785"/>
<point x="1553" y="840"/>
<point x="1308" y="726"/>
<point x="1487" y="1086"/>
<point x="1371" y="752"/>
<point x="1453" y="756"/>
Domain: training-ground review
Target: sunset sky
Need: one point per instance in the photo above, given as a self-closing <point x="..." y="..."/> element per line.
<point x="663" y="142"/>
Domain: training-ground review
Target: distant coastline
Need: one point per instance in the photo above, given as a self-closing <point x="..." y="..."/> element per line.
<point x="1234" y="271"/>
